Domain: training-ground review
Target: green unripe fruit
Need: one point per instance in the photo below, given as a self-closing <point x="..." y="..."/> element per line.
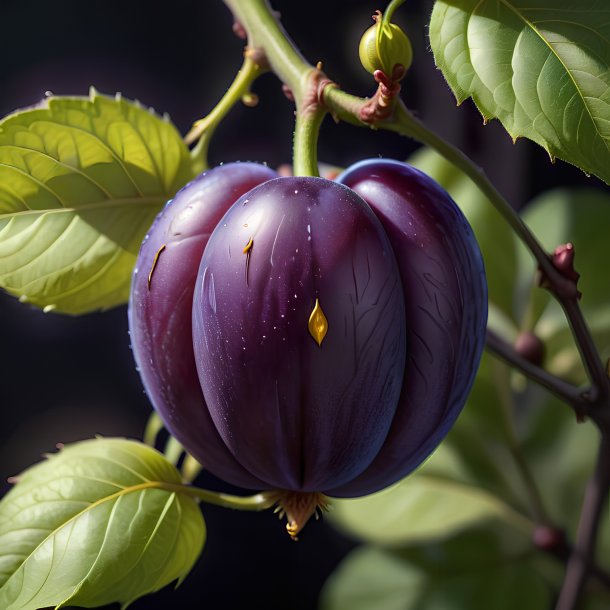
<point x="383" y="46"/>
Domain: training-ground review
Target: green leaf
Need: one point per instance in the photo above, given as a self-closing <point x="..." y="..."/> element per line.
<point x="599" y="600"/>
<point x="101" y="521"/>
<point x="432" y="504"/>
<point x="374" y="579"/>
<point x="542" y="67"/>
<point x="482" y="436"/>
<point x="560" y="454"/>
<point x="493" y="234"/>
<point x="81" y="180"/>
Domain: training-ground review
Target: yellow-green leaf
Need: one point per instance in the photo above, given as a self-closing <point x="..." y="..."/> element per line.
<point x="542" y="67"/>
<point x="434" y="503"/>
<point x="101" y="521"/>
<point x="81" y="180"/>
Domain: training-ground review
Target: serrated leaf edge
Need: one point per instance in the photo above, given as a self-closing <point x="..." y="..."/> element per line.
<point x="461" y="95"/>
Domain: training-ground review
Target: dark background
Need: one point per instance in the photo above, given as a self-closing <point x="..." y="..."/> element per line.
<point x="65" y="378"/>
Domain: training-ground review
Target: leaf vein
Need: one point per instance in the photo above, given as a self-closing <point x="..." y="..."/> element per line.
<point x="568" y="72"/>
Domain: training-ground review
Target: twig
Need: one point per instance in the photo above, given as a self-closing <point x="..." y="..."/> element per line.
<point x="565" y="391"/>
<point x="582" y="557"/>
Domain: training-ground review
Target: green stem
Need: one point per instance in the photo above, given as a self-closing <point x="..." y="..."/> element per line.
<point x="173" y="450"/>
<point x="190" y="468"/>
<point x="154" y="425"/>
<point x="266" y="32"/>
<point x="307" y="128"/>
<point x="389" y="11"/>
<point x="204" y="129"/>
<point x="260" y="501"/>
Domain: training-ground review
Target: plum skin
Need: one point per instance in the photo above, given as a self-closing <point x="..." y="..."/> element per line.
<point x="443" y="279"/>
<point x="444" y="306"/>
<point x="296" y="414"/>
<point x="159" y="312"/>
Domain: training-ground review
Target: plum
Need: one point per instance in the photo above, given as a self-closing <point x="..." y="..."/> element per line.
<point x="299" y="333"/>
<point x="336" y="326"/>
<point x="160" y="307"/>
<point x="443" y="279"/>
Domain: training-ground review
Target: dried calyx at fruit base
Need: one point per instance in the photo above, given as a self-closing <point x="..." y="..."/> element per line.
<point x="309" y="337"/>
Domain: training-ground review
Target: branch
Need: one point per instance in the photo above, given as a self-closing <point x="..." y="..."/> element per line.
<point x="565" y="391"/>
<point x="582" y="558"/>
<point x="599" y="397"/>
<point x="265" y="32"/>
<point x="202" y="131"/>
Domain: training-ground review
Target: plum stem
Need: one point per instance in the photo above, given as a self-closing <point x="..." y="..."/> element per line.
<point x="256" y="502"/>
<point x="202" y="131"/>
<point x="310" y="114"/>
<point x="303" y="82"/>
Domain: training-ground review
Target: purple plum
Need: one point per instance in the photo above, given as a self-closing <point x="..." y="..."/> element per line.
<point x="160" y="308"/>
<point x="443" y="279"/>
<point x="299" y="333"/>
<point x="336" y="331"/>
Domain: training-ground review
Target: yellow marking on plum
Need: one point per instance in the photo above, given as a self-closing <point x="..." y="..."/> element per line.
<point x="248" y="252"/>
<point x="154" y="264"/>
<point x="318" y="324"/>
<point x="248" y="246"/>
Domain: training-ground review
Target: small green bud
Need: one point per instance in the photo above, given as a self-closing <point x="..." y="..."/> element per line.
<point x="383" y="46"/>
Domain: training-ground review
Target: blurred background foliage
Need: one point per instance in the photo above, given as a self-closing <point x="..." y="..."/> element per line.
<point x="456" y="535"/>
